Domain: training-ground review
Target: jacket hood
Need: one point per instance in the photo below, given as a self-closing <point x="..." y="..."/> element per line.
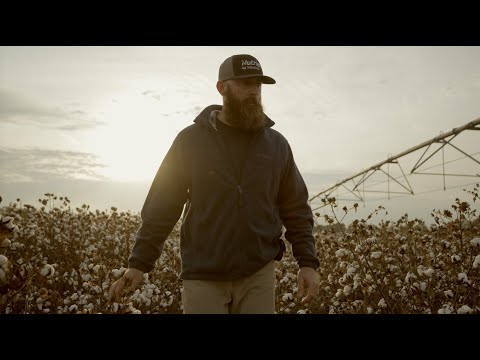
<point x="204" y="117"/>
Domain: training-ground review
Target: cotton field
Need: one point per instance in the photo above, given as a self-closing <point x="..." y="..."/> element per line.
<point x="57" y="260"/>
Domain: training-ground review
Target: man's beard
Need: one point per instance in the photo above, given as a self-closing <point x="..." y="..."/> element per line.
<point x="246" y="115"/>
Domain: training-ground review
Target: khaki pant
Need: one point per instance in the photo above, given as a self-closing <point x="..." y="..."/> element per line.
<point x="252" y="295"/>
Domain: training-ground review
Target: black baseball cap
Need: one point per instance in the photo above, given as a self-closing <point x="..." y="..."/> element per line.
<point x="241" y="67"/>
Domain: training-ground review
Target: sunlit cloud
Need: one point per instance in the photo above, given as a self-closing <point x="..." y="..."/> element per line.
<point x="33" y="165"/>
<point x="18" y="109"/>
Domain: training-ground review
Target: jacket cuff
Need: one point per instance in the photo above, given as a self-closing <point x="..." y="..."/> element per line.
<point x="315" y="264"/>
<point x="139" y="266"/>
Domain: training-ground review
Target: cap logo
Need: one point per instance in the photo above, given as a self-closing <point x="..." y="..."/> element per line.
<point x="250" y="64"/>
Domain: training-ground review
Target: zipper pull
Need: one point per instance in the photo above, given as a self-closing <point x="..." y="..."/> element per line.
<point x="240" y="196"/>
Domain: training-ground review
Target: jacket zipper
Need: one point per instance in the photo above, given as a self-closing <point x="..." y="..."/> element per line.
<point x="240" y="192"/>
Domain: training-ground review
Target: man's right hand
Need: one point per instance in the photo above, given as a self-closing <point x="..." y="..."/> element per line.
<point x="132" y="276"/>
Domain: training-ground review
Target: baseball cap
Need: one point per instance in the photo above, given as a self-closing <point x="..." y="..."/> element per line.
<point x="242" y="66"/>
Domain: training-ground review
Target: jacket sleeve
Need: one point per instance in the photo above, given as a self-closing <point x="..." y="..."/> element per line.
<point x="161" y="210"/>
<point x="296" y="214"/>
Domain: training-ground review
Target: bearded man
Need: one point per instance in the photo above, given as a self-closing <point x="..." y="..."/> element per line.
<point x="236" y="181"/>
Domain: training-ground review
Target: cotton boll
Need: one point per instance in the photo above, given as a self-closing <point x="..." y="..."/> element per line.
<point x="136" y="311"/>
<point x="409" y="276"/>
<point x="3" y="260"/>
<point x="301" y="312"/>
<point x="369" y="310"/>
<point x="476" y="263"/>
<point x="462" y="277"/>
<point x="47" y="271"/>
<point x="382" y="303"/>
<point x="351" y="270"/>
<point x="475" y="242"/>
<point x="347" y="290"/>
<point x="455" y="258"/>
<point x="340" y="253"/>
<point x="376" y="254"/>
<point x="420" y="270"/>
<point x="287" y="296"/>
<point x="429" y="272"/>
<point x="448" y="293"/>
<point x="372" y="240"/>
<point x="465" y="309"/>
<point x="5" y="243"/>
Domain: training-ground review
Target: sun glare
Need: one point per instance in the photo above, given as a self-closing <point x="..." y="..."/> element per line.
<point x="135" y="139"/>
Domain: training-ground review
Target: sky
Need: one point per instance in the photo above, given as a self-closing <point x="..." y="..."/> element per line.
<point x="94" y="123"/>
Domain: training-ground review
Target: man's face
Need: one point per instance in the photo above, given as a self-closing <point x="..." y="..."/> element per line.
<point x="242" y="103"/>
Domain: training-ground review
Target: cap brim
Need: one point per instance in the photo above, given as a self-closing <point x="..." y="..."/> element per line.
<point x="265" y="79"/>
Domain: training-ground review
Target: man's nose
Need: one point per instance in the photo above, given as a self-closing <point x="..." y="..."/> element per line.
<point x="254" y="91"/>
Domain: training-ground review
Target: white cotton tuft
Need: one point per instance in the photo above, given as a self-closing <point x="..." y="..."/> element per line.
<point x="47" y="271"/>
<point x="351" y="270"/>
<point x="475" y="242"/>
<point x="420" y="270"/>
<point x="287" y="296"/>
<point x="5" y="243"/>
<point x="429" y="272"/>
<point x="301" y="312"/>
<point x="376" y="254"/>
<point x="476" y="262"/>
<point x="448" y="293"/>
<point x="339" y="293"/>
<point x="347" y="290"/>
<point x="3" y="260"/>
<point x="465" y="309"/>
<point x="372" y="239"/>
<point x="340" y="253"/>
<point x="382" y="303"/>
<point x="462" y="277"/>
<point x="6" y="219"/>
<point x="409" y="276"/>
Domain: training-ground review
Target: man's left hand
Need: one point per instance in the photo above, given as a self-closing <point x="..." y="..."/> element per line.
<point x="308" y="278"/>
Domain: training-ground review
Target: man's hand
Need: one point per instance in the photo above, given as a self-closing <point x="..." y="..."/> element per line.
<point x="308" y="276"/>
<point x="133" y="276"/>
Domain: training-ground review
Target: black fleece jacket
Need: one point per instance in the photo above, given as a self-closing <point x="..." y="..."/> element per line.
<point x="231" y="226"/>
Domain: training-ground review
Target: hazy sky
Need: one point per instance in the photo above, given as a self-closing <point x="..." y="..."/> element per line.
<point x="94" y="123"/>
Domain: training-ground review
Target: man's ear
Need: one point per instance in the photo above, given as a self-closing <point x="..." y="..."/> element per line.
<point x="220" y="87"/>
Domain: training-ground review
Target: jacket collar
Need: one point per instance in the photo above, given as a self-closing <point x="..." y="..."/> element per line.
<point x="208" y="117"/>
